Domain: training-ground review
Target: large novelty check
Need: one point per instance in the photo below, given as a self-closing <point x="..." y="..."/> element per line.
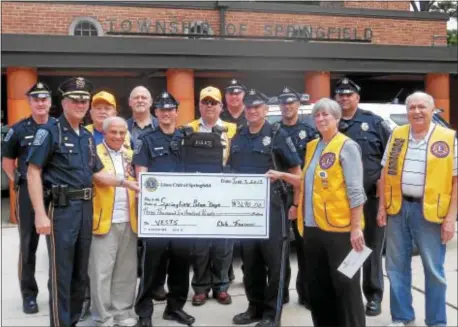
<point x="203" y="205"/>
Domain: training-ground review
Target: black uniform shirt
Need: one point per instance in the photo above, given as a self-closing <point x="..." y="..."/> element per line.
<point x="18" y="141"/>
<point x="301" y="133"/>
<point x="64" y="156"/>
<point x="227" y="117"/>
<point x="372" y="134"/>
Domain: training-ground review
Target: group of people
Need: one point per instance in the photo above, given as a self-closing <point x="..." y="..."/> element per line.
<point x="345" y="183"/>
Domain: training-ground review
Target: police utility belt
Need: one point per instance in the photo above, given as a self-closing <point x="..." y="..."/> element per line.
<point x="61" y="194"/>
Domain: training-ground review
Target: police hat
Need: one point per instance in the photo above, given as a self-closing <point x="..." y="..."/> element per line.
<point x="288" y="95"/>
<point x="39" y="90"/>
<point x="76" y="88"/>
<point x="254" y="98"/>
<point x="347" y="86"/>
<point x="165" y="101"/>
<point x="235" y="87"/>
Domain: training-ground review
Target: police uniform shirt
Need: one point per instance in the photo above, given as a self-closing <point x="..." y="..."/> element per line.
<point x="154" y="150"/>
<point x="239" y="121"/>
<point x="301" y="133"/>
<point x="251" y="153"/>
<point x="65" y="157"/>
<point x="18" y="141"/>
<point x="372" y="134"/>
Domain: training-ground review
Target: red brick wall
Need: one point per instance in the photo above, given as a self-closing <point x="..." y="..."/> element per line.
<point x="387" y="5"/>
<point x="39" y="18"/>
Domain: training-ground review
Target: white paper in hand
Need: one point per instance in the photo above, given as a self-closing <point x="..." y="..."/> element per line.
<point x="353" y="262"/>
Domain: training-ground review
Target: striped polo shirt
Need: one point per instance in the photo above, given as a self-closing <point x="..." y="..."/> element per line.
<point x="413" y="173"/>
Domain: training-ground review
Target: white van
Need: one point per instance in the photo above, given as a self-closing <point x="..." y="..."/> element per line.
<point x="393" y="114"/>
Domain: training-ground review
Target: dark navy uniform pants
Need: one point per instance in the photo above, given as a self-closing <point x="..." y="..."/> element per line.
<point x="375" y="239"/>
<point x="261" y="268"/>
<point x="154" y="250"/>
<point x="69" y="246"/>
<point x="28" y="242"/>
<point x="301" y="285"/>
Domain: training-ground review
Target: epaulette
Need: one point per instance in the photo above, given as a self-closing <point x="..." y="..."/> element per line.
<point x="366" y="112"/>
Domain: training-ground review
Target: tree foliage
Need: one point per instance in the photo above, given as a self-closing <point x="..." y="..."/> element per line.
<point x="448" y="7"/>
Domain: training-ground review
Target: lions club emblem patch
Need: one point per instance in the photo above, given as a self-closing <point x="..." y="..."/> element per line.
<point x="440" y="149"/>
<point x="327" y="160"/>
<point x="151" y="184"/>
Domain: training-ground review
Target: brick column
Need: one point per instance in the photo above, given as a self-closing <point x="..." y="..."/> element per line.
<point x="180" y="83"/>
<point x="317" y="85"/>
<point x="18" y="81"/>
<point x="438" y="86"/>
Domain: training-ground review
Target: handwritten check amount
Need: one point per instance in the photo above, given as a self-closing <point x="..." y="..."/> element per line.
<point x="204" y="205"/>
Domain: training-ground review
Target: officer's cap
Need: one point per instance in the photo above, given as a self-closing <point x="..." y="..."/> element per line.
<point x="104" y="96"/>
<point x="254" y="98"/>
<point x="288" y="95"/>
<point x="165" y="101"/>
<point x="39" y="90"/>
<point x="235" y="87"/>
<point x="347" y="86"/>
<point x="76" y="88"/>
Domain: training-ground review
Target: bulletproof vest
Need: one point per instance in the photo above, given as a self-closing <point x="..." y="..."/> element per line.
<point x="202" y="152"/>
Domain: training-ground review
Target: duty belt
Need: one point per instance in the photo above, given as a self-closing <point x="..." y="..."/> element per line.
<point x="80" y="194"/>
<point x="412" y="199"/>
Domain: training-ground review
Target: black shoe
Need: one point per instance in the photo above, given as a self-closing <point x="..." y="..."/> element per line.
<point x="179" y="316"/>
<point x="231" y="278"/>
<point x="303" y="302"/>
<point x="266" y="322"/>
<point x="160" y="294"/>
<point x="286" y="297"/>
<point x="246" y="318"/>
<point x="373" y="308"/>
<point x="85" y="309"/>
<point x="29" y="306"/>
<point x="144" y="322"/>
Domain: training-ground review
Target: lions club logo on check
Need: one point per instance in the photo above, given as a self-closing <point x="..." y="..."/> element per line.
<point x="440" y="149"/>
<point x="151" y="184"/>
<point x="327" y="160"/>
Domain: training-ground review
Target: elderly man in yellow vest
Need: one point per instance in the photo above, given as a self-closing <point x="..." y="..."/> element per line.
<point x="420" y="196"/>
<point x="113" y="258"/>
<point x="212" y="258"/>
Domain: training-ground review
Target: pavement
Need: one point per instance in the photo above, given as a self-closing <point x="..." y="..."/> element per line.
<point x="212" y="313"/>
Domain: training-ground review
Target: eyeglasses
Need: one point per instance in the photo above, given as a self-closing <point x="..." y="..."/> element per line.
<point x="209" y="102"/>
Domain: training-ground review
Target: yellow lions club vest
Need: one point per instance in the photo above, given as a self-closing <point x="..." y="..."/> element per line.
<point x="104" y="198"/>
<point x="231" y="130"/>
<point x="90" y="128"/>
<point x="439" y="167"/>
<point x="331" y="207"/>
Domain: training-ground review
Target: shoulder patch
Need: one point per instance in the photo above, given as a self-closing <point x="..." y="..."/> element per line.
<point x="138" y="146"/>
<point x="40" y="137"/>
<point x="290" y="144"/>
<point x="8" y="135"/>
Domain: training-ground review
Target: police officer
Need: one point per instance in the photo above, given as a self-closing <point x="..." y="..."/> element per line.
<point x="158" y="151"/>
<point x="16" y="146"/>
<point x="256" y="149"/>
<point x="234" y="111"/>
<point x="372" y="134"/>
<point x="62" y="163"/>
<point x="300" y="133"/>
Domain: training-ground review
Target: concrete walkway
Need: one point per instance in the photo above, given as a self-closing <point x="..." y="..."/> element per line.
<point x="211" y="314"/>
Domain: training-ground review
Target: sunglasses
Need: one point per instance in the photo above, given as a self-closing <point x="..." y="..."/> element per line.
<point x="209" y="102"/>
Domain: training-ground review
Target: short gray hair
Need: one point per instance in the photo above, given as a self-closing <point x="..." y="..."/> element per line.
<point x="110" y="120"/>
<point x="328" y="105"/>
<point x="423" y="96"/>
<point x="142" y="88"/>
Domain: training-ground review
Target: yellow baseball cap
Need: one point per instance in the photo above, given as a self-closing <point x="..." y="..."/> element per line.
<point x="210" y="92"/>
<point x="104" y="97"/>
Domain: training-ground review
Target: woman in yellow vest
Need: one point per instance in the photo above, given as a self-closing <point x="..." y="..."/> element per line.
<point x="329" y="212"/>
<point x="113" y="258"/>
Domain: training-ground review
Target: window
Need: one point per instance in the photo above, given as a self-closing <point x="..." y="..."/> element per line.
<point x="85" y="26"/>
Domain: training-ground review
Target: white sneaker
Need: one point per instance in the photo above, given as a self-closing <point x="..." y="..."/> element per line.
<point x="128" y="322"/>
<point x="402" y="323"/>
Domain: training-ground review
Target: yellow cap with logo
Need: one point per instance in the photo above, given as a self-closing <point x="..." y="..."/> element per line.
<point x="104" y="97"/>
<point x="210" y="92"/>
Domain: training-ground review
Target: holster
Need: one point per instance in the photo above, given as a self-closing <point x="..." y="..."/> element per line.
<point x="59" y="195"/>
<point x="17" y="178"/>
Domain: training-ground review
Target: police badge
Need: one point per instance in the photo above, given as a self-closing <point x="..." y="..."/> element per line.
<point x="266" y="140"/>
<point x="302" y="134"/>
<point x="365" y="127"/>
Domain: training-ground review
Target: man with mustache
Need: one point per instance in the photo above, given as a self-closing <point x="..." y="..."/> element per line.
<point x="16" y="146"/>
<point x="371" y="133"/>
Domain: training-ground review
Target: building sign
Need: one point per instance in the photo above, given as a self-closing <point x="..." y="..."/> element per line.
<point x="145" y="25"/>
